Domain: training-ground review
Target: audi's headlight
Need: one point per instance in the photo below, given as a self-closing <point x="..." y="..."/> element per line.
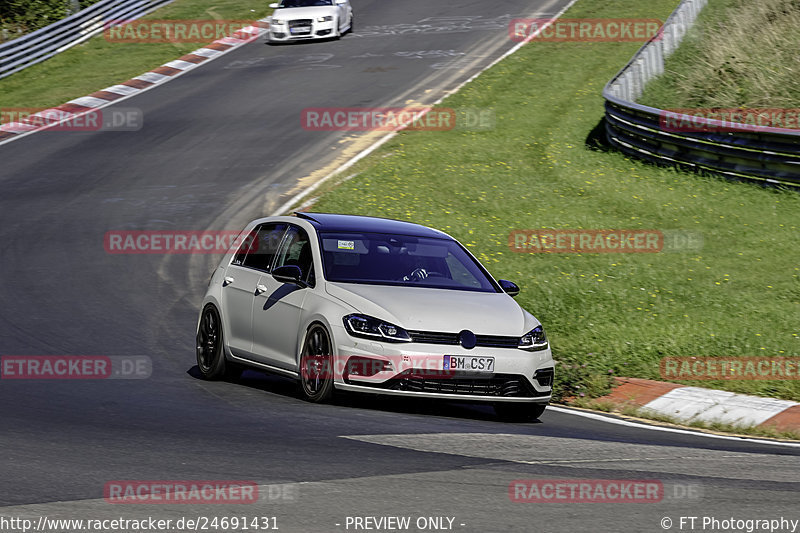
<point x="277" y="22"/>
<point x="325" y="19"/>
<point x="534" y="340"/>
<point x="372" y="328"/>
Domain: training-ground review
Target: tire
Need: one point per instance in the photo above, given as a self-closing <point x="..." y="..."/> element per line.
<point x="519" y="412"/>
<point x="210" y="348"/>
<point x="316" y="365"/>
<point x="352" y="24"/>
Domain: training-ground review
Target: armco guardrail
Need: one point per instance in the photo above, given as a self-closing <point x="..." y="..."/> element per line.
<point x="46" y="42"/>
<point x="732" y="150"/>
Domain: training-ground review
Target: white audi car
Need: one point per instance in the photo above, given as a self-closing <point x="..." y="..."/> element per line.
<point x="364" y="304"/>
<point x="295" y="20"/>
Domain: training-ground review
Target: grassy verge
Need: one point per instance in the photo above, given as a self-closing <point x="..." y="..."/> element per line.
<point x="606" y="314"/>
<point x="99" y="63"/>
<point x="739" y="54"/>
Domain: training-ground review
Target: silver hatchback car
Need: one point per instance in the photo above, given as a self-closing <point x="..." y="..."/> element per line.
<point x="364" y="304"/>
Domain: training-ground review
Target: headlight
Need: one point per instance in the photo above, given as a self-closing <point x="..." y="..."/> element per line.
<point x="325" y="19"/>
<point x="372" y="328"/>
<point x="277" y="21"/>
<point x="534" y="340"/>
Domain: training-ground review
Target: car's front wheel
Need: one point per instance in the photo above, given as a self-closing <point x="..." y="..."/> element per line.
<point x="316" y="365"/>
<point x="519" y="412"/>
<point x="210" y="352"/>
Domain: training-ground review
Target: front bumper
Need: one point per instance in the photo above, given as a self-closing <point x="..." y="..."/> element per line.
<point x="417" y="370"/>
<point x="291" y="30"/>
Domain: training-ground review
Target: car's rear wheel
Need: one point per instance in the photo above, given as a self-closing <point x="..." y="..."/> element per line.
<point x="316" y="365"/>
<point x="210" y="351"/>
<point x="519" y="412"/>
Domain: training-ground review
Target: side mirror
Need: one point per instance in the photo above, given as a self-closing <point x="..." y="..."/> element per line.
<point x="289" y="274"/>
<point x="510" y="288"/>
<point x="274" y="5"/>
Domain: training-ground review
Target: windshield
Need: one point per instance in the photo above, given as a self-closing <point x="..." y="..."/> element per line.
<point x="382" y="259"/>
<point x="306" y="3"/>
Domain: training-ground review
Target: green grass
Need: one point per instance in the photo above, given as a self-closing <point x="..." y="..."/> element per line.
<point x="617" y="314"/>
<point x="99" y="63"/>
<point x="739" y="54"/>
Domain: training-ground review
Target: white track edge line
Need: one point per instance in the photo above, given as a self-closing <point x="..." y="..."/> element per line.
<point x="607" y="419"/>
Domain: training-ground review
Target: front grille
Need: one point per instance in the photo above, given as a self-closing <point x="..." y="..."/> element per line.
<point x="495" y="341"/>
<point x="499" y="385"/>
<point x="300" y="27"/>
<point x="432" y="337"/>
<point x="451" y="339"/>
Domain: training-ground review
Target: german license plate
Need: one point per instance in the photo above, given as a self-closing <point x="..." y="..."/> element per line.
<point x="301" y="29"/>
<point x="468" y="362"/>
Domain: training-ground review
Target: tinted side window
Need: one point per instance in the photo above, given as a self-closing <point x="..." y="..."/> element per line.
<point x="296" y="250"/>
<point x="260" y="248"/>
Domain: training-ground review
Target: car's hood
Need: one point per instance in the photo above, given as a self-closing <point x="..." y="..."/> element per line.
<point x="292" y="13"/>
<point x="419" y="308"/>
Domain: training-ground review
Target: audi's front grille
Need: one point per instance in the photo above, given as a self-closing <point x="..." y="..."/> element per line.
<point x="451" y="339"/>
<point x="300" y="22"/>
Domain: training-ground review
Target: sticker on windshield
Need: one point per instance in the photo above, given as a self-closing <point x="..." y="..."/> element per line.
<point x="347" y="245"/>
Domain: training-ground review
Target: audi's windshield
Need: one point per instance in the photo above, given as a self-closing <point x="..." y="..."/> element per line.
<point x="305" y="3"/>
<point x="383" y="259"/>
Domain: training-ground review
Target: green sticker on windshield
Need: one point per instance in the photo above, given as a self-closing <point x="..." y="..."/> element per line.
<point x="347" y="245"/>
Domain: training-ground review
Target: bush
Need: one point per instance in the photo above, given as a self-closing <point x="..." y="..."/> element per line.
<point x="18" y="17"/>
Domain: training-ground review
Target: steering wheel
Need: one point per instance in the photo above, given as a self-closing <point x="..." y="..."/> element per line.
<point x="418" y="274"/>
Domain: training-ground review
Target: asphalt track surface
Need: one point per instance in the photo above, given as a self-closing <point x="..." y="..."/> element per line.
<point x="221" y="145"/>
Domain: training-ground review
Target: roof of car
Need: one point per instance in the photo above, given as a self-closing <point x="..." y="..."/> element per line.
<point x="334" y="222"/>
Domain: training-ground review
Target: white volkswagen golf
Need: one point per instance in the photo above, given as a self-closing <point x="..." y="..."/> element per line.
<point x="295" y="20"/>
<point x="356" y="303"/>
